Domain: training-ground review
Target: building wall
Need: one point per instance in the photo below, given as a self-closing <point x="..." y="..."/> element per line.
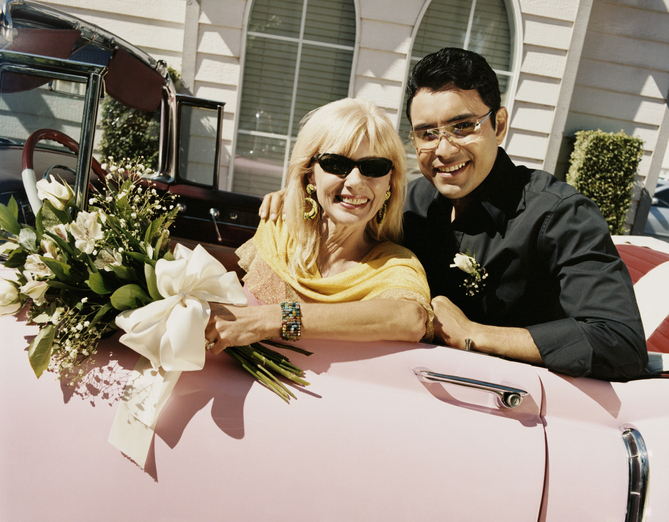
<point x="583" y="64"/>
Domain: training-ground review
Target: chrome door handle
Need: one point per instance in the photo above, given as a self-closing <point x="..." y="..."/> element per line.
<point x="215" y="214"/>
<point x="509" y="397"/>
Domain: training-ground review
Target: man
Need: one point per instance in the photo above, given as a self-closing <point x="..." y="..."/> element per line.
<point x="555" y="291"/>
<point x="543" y="282"/>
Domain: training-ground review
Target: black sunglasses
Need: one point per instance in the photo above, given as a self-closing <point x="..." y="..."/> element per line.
<point x="342" y="166"/>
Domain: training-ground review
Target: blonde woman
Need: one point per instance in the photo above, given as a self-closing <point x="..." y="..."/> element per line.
<point x="331" y="268"/>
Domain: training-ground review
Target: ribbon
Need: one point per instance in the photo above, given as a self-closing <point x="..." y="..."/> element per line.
<point x="169" y="334"/>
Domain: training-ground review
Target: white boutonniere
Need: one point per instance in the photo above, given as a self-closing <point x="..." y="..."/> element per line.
<point x="476" y="274"/>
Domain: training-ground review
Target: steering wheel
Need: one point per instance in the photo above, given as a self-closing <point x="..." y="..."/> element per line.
<point x="27" y="164"/>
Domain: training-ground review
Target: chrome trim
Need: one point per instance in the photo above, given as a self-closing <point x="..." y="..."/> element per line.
<point x="88" y="74"/>
<point x="17" y="13"/>
<point x="509" y="397"/>
<point x="637" y="457"/>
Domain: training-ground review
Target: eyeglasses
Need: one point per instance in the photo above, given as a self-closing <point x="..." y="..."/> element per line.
<point x="342" y="166"/>
<point x="428" y="139"/>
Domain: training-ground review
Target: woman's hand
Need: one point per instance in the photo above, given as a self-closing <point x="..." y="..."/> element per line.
<point x="239" y="326"/>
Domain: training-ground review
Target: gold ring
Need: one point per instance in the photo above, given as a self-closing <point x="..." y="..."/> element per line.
<point x="209" y="344"/>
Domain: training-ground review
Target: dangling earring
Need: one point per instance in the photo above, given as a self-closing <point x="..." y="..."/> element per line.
<point x="311" y="214"/>
<point x="381" y="214"/>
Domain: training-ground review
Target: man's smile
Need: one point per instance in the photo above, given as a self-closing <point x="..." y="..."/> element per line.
<point x="452" y="168"/>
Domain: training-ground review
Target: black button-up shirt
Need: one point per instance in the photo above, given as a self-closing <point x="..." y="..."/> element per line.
<point x="552" y="268"/>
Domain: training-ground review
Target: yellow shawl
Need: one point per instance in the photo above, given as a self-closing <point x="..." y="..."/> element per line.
<point x="388" y="271"/>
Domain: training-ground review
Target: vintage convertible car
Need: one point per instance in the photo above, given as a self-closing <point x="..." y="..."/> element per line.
<point x="385" y="431"/>
<point x="56" y="71"/>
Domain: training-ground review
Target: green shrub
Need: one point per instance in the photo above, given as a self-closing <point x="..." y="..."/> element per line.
<point x="602" y="167"/>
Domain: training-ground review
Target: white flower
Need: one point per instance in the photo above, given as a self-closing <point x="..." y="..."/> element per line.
<point x="86" y="230"/>
<point x="58" y="194"/>
<point x="7" y="247"/>
<point x="9" y="297"/>
<point x="35" y="290"/>
<point x="50" y="248"/>
<point x="465" y="263"/>
<point x="60" y="230"/>
<point x="37" y="267"/>
<point x="476" y="274"/>
<point x="108" y="258"/>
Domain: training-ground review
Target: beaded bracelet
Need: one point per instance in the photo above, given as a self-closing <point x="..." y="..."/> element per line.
<point x="291" y="321"/>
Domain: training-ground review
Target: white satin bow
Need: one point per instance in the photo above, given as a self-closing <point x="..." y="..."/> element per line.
<point x="170" y="332"/>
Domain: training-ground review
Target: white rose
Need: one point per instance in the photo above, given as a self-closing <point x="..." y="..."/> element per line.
<point x="35" y="290"/>
<point x="9" y="297"/>
<point x="465" y="263"/>
<point x="86" y="230"/>
<point x="58" y="194"/>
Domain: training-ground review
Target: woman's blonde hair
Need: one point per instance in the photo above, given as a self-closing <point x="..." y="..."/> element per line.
<point x="340" y="127"/>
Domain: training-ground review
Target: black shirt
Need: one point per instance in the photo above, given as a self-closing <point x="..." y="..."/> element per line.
<point x="552" y="268"/>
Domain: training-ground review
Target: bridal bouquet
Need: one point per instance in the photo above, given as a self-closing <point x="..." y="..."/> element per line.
<point x="85" y="273"/>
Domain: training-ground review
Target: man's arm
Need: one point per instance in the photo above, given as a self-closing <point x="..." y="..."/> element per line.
<point x="452" y="327"/>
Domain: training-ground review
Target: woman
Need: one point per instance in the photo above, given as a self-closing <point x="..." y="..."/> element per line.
<point x="331" y="269"/>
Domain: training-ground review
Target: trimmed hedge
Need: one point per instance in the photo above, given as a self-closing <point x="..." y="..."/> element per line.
<point x="602" y="167"/>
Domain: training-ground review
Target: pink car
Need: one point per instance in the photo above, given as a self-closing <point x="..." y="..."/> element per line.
<point x="385" y="431"/>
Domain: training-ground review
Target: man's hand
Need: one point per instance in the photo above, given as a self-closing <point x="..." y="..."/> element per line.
<point x="271" y="205"/>
<point x="452" y="327"/>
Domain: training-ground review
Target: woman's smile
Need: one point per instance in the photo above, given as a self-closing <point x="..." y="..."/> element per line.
<point x="352" y="201"/>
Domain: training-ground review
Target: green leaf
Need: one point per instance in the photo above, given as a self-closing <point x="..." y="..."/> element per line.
<point x="153" y="229"/>
<point x="62" y="286"/>
<point x="151" y="283"/>
<point x="39" y="353"/>
<point x="49" y="216"/>
<point x="129" y="296"/>
<point x="17" y="258"/>
<point x="96" y="282"/>
<point x="28" y="239"/>
<point x="100" y="314"/>
<point x="9" y="217"/>
<point x="124" y="273"/>
<point x="63" y="271"/>
<point x="142" y="258"/>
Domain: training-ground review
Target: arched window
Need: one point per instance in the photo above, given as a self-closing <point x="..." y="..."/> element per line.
<point x="298" y="56"/>
<point x="483" y="26"/>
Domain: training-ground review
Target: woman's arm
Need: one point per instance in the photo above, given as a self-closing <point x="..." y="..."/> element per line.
<point x="373" y="320"/>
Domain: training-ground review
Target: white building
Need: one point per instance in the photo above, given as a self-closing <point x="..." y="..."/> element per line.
<point x="565" y="65"/>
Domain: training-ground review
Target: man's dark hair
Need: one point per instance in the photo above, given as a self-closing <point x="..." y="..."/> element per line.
<point x="453" y="67"/>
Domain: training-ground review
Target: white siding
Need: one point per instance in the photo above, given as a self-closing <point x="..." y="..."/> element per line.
<point x="623" y="80"/>
<point x="583" y="64"/>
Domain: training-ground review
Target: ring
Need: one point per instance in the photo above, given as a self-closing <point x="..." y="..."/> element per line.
<point x="468" y="345"/>
<point x="209" y="344"/>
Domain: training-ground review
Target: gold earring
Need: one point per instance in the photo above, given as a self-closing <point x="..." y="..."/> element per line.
<point x="311" y="214"/>
<point x="381" y="215"/>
